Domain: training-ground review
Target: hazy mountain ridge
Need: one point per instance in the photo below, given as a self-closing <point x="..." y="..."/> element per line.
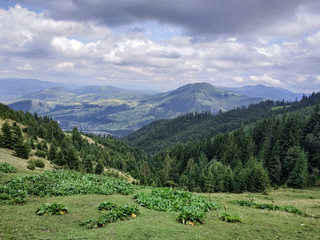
<point x="109" y="109"/>
<point x="274" y="93"/>
<point x="13" y="88"/>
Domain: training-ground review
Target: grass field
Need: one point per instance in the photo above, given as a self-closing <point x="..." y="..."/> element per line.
<point x="21" y="222"/>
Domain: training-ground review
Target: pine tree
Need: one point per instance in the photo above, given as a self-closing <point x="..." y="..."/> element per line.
<point x="6" y="138"/>
<point x="60" y="161"/>
<point x="52" y="155"/>
<point x="228" y="179"/>
<point x="21" y="149"/>
<point x="289" y="161"/>
<point x="99" y="168"/>
<point x="145" y="173"/>
<point x="298" y="177"/>
<point x="71" y="158"/>
<point x="87" y="163"/>
<point x="260" y="177"/>
<point x="16" y="132"/>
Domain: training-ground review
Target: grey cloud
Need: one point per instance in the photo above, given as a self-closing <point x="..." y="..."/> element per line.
<point x="197" y="16"/>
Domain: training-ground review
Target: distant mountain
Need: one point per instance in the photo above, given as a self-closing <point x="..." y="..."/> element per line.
<point x="198" y="97"/>
<point x="274" y="93"/>
<point x="111" y="110"/>
<point x="13" y="88"/>
<point x="51" y="94"/>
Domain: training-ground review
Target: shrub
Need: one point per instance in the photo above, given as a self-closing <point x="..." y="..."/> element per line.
<point x="40" y="153"/>
<point x="243" y="203"/>
<point x="291" y="209"/>
<point x="65" y="183"/>
<point x="268" y="206"/>
<point x="191" y="215"/>
<point x="105" y="206"/>
<point x="119" y="213"/>
<point x="31" y="166"/>
<point x="52" y="209"/>
<point x="7" y="168"/>
<point x="167" y="199"/>
<point x="38" y="163"/>
<point x="227" y="217"/>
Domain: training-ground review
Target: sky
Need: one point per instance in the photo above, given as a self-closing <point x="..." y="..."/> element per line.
<point x="161" y="45"/>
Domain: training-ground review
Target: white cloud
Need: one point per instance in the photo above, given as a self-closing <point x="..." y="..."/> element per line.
<point x="64" y="65"/>
<point x="85" y="50"/>
<point x="25" y="67"/>
<point x="264" y="79"/>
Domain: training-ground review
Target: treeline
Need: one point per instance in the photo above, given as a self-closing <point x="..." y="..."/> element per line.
<point x="162" y="134"/>
<point x="278" y="150"/>
<point x="28" y="133"/>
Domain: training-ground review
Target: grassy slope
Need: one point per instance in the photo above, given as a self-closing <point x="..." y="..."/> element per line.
<point x="21" y="222"/>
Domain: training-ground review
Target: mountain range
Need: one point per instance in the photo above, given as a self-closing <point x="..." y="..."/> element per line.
<point x="274" y="93"/>
<point x="116" y="111"/>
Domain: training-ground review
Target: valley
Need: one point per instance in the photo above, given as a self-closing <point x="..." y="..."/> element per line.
<point x="111" y="110"/>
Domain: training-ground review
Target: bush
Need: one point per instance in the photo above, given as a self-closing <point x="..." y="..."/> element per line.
<point x="119" y="213"/>
<point x="40" y="153"/>
<point x="291" y="209"/>
<point x="31" y="166"/>
<point x="191" y="215"/>
<point x="64" y="183"/>
<point x="268" y="206"/>
<point x="35" y="163"/>
<point x="227" y="217"/>
<point x="7" y="168"/>
<point x="168" y="199"/>
<point x="39" y="163"/>
<point x="52" y="209"/>
<point x="106" y="206"/>
<point x="243" y="203"/>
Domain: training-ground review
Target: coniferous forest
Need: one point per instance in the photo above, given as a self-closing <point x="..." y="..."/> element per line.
<point x="278" y="144"/>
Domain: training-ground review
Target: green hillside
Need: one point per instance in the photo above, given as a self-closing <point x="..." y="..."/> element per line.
<point x="282" y="149"/>
<point x="162" y="134"/>
<point x="31" y="136"/>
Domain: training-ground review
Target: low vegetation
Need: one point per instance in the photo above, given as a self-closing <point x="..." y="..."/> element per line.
<point x="168" y="199"/>
<point x="114" y="214"/>
<point x="268" y="206"/>
<point x="7" y="168"/>
<point x="52" y="209"/>
<point x="228" y="217"/>
<point x="61" y="183"/>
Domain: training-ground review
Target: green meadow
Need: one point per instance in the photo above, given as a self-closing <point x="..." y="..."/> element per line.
<point x="19" y="221"/>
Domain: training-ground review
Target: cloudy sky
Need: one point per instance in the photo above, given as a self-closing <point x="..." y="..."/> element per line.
<point x="163" y="44"/>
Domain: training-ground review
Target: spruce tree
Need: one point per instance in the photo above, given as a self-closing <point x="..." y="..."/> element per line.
<point x="298" y="177"/>
<point x="87" y="163"/>
<point x="60" y="161"/>
<point x="52" y="155"/>
<point x="99" y="168"/>
<point x="6" y="139"/>
<point x="21" y="149"/>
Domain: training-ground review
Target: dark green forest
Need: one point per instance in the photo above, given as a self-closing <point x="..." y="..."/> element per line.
<point x="161" y="134"/>
<point x="283" y="149"/>
<point x="66" y="149"/>
<point x="245" y="149"/>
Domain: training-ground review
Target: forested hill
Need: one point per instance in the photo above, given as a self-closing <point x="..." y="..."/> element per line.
<point x="31" y="135"/>
<point x="279" y="150"/>
<point x="162" y="134"/>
